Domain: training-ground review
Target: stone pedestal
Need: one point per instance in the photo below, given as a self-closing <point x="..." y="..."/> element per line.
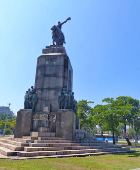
<point x="23" y="123"/>
<point x="65" y="124"/>
<point x="53" y="72"/>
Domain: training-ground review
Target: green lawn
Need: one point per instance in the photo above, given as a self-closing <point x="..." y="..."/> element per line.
<point x="103" y="162"/>
<point x="125" y="144"/>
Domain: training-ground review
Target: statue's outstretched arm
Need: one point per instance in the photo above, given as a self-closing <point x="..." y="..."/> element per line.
<point x="65" y="21"/>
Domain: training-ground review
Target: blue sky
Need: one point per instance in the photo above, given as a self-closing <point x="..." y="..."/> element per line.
<point x="102" y="41"/>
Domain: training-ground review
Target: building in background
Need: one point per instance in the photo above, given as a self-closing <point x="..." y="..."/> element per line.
<point x="5" y="110"/>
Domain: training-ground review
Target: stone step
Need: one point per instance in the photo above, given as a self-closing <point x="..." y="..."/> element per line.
<point x="32" y="149"/>
<point x="61" y="156"/>
<point x="115" y="149"/>
<point x="49" y="153"/>
<point x="30" y="137"/>
<point x="50" y="138"/>
<point x="52" y="144"/>
<point x="98" y="144"/>
<point x="12" y="142"/>
<point x="110" y="145"/>
<point x="42" y="134"/>
<point x="113" y="146"/>
<point x="92" y="144"/>
<point x="23" y="140"/>
<point x="11" y="147"/>
<point x="52" y="141"/>
<point x="97" y="147"/>
<point x="43" y="129"/>
<point x="7" y="152"/>
<point x="72" y="155"/>
<point x="86" y="140"/>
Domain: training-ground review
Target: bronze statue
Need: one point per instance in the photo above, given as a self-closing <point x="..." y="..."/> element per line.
<point x="34" y="98"/>
<point x="26" y="100"/>
<point x="57" y="34"/>
<point x="30" y="99"/>
<point x="66" y="100"/>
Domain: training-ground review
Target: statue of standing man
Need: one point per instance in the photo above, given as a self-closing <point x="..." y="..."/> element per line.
<point x="30" y="99"/>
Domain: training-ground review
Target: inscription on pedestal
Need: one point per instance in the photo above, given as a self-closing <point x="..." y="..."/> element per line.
<point x="51" y="60"/>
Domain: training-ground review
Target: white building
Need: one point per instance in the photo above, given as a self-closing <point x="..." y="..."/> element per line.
<point x="6" y="111"/>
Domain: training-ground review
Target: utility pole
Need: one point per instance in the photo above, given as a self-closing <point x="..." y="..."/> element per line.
<point x="9" y="104"/>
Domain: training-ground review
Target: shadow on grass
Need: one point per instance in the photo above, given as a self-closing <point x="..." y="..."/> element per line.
<point x="134" y="154"/>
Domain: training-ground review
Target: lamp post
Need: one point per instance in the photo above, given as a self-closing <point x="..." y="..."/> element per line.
<point x="6" y="121"/>
<point x="134" y="132"/>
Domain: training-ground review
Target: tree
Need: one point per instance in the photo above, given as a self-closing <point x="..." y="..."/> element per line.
<point x="2" y="116"/>
<point x="111" y="114"/>
<point x="131" y="133"/>
<point x="136" y="126"/>
<point x="11" y="123"/>
<point x="132" y="113"/>
<point x="7" y="131"/>
<point x="84" y="112"/>
<point x="107" y="117"/>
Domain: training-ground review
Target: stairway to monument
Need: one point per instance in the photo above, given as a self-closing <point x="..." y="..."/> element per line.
<point x="44" y="144"/>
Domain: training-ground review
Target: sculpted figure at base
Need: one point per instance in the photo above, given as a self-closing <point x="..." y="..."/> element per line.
<point x="57" y="34"/>
<point x="30" y="99"/>
<point x="26" y="100"/>
<point x="66" y="100"/>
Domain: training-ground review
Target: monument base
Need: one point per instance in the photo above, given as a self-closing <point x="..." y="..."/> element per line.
<point x="23" y="123"/>
<point x="65" y="124"/>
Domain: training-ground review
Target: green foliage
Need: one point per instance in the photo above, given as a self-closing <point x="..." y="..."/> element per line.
<point x="11" y="123"/>
<point x="107" y="117"/>
<point x="7" y="132"/>
<point x="131" y="133"/>
<point x="120" y="110"/>
<point x="2" y="117"/>
<point x="114" y="115"/>
<point x="137" y="125"/>
<point x="119" y="129"/>
<point x="84" y="112"/>
<point x="131" y="108"/>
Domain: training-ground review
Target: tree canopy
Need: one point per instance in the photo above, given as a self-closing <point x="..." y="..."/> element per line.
<point x="122" y="110"/>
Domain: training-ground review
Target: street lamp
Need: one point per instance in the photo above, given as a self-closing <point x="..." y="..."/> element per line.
<point x="134" y="132"/>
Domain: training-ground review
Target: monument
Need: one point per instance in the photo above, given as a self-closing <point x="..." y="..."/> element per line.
<point x="48" y="126"/>
<point x="50" y="103"/>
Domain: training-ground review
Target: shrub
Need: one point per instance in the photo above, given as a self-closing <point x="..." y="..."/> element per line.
<point x="7" y="132"/>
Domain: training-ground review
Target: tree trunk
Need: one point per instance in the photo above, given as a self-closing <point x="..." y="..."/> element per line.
<point x="125" y="128"/>
<point x="113" y="138"/>
<point x="102" y="133"/>
<point x="128" y="141"/>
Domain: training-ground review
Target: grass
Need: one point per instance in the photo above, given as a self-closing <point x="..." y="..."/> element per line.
<point x="102" y="162"/>
<point x="125" y="144"/>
